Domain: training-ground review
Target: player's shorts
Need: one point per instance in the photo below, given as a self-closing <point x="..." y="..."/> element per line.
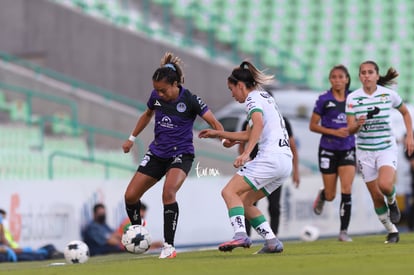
<point x="267" y="173"/>
<point x="369" y="162"/>
<point x="330" y="160"/>
<point x="157" y="167"/>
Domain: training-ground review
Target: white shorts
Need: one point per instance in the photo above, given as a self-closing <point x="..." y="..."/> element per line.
<point x="369" y="162"/>
<point x="267" y="173"/>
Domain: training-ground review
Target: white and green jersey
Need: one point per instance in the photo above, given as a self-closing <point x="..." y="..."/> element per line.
<point x="274" y="138"/>
<point x="376" y="133"/>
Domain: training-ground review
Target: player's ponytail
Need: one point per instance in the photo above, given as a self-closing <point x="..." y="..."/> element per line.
<point x="171" y="69"/>
<point x="249" y="75"/>
<point x="384" y="80"/>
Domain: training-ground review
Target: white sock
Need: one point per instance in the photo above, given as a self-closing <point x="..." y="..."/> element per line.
<point x="385" y="220"/>
<point x="265" y="231"/>
<point x="238" y="223"/>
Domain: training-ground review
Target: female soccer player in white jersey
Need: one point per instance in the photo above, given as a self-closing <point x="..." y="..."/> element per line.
<point x="368" y="112"/>
<point x="272" y="166"/>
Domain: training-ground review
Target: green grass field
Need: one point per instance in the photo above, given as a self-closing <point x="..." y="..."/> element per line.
<point x="365" y="255"/>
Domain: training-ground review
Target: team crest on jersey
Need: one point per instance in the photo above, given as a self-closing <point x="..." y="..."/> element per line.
<point x="181" y="107"/>
<point x="384" y="98"/>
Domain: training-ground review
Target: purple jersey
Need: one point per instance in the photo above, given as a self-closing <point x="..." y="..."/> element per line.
<point x="332" y="113"/>
<point x="173" y="129"/>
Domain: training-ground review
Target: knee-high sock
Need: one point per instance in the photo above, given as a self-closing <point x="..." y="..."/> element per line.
<point x="133" y="211"/>
<point x="170" y="222"/>
<point x="345" y="210"/>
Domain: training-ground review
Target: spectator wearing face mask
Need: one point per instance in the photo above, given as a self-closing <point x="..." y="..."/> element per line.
<point x="101" y="238"/>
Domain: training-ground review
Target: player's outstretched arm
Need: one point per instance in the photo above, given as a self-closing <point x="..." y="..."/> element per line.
<point x="143" y="121"/>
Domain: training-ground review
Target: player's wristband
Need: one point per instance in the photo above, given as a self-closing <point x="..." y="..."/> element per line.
<point x="132" y="138"/>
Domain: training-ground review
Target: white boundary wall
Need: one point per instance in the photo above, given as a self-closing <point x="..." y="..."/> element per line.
<point x="54" y="211"/>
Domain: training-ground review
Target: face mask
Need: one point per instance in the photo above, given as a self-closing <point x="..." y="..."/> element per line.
<point x="101" y="219"/>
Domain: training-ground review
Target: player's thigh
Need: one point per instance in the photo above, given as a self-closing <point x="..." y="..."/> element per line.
<point x="174" y="179"/>
<point x="386" y="178"/>
<point x="138" y="185"/>
<point x="346" y="176"/>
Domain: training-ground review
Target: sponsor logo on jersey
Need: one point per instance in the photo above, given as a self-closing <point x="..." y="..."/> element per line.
<point x="157" y="103"/>
<point x="166" y="122"/>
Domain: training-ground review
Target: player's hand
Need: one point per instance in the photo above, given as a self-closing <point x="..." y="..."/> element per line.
<point x="127" y="146"/>
<point x="361" y="120"/>
<point x="208" y="133"/>
<point x="241" y="160"/>
<point x="296" y="179"/>
<point x="409" y="145"/>
<point x="342" y="132"/>
<point x="229" y="143"/>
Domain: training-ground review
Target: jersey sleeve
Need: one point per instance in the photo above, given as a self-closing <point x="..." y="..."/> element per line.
<point x="252" y="105"/>
<point x="318" y="107"/>
<point x="396" y="99"/>
<point x="200" y="107"/>
<point x="151" y="101"/>
<point x="288" y="127"/>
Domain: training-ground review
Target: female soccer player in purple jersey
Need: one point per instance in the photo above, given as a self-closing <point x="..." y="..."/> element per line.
<point x="171" y="153"/>
<point x="368" y="111"/>
<point x="336" y="148"/>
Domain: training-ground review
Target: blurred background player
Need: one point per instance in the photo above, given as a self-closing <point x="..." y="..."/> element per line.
<point x="336" y="148"/>
<point x="172" y="151"/>
<point x="368" y="115"/>
<point x="99" y="236"/>
<point x="272" y="165"/>
<point x="274" y="197"/>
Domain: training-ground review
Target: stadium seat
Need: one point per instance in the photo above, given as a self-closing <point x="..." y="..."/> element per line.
<point x="264" y="29"/>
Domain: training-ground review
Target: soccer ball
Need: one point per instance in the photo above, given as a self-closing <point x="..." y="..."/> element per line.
<point x="136" y="239"/>
<point x="76" y="252"/>
<point x="309" y="233"/>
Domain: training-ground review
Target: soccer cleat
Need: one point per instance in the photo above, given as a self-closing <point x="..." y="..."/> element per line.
<point x="395" y="214"/>
<point x="168" y="252"/>
<point x="239" y="242"/>
<point x="278" y="248"/>
<point x="343" y="236"/>
<point x="393" y="237"/>
<point x="318" y="203"/>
